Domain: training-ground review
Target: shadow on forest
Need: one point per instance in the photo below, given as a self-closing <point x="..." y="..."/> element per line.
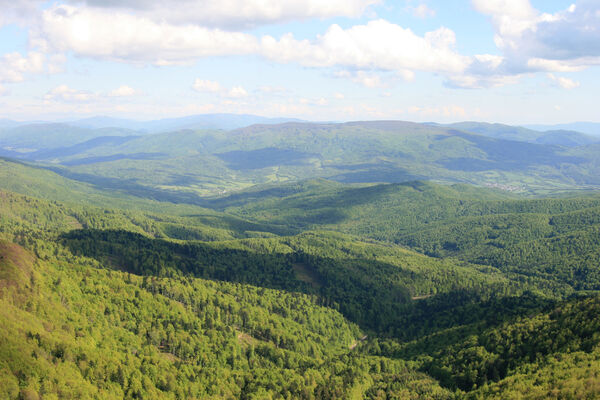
<point x="365" y="291"/>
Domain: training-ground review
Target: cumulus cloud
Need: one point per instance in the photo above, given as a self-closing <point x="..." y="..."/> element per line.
<point x="363" y="78"/>
<point x="14" y="66"/>
<point x="237" y="92"/>
<point x="315" y="102"/>
<point x="534" y="41"/>
<point x="207" y="86"/>
<point x="422" y="11"/>
<point x="378" y="45"/>
<point x="123" y="91"/>
<point x="106" y="34"/>
<point x="66" y="94"/>
<point x="236" y="14"/>
<point x="163" y="33"/>
<point x="18" y="11"/>
<point x="202" y="85"/>
<point x="563" y="82"/>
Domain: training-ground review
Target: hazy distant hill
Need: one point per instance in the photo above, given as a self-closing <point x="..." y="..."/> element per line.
<point x="202" y="121"/>
<point x="45" y="136"/>
<point x="562" y="137"/>
<point x="27" y="137"/>
<point x="590" y="128"/>
<point x="212" y="162"/>
<point x="7" y="123"/>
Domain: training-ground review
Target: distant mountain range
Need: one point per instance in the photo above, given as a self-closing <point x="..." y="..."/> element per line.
<point x="552" y="135"/>
<point x="590" y="128"/>
<point x="185" y="153"/>
<point x="208" y="162"/>
<point x="201" y="121"/>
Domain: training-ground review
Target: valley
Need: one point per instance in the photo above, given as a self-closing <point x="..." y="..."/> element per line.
<point x="116" y="286"/>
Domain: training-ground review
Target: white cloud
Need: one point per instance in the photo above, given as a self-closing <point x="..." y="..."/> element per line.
<point x="363" y="78"/>
<point x="235" y="14"/>
<point x="162" y="33"/>
<point x="378" y="45"/>
<point x="3" y="91"/>
<point x="207" y="86"/>
<point x="481" y="81"/>
<point x="563" y="82"/>
<point x="541" y="64"/>
<point x="374" y="80"/>
<point x="201" y="85"/>
<point x="423" y="11"/>
<point x="14" y="66"/>
<point x="106" y="34"/>
<point x="19" y="12"/>
<point x="66" y="94"/>
<point x="314" y="102"/>
<point x="533" y="41"/>
<point x="484" y="71"/>
<point x="339" y="96"/>
<point x="406" y="75"/>
<point x="517" y="9"/>
<point x="123" y="91"/>
<point x="237" y="92"/>
<point x="56" y="63"/>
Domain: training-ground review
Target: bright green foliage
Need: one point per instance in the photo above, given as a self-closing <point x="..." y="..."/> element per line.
<point x="549" y="239"/>
<point x="295" y="291"/>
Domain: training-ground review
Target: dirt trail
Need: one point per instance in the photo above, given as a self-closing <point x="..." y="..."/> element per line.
<point x="356" y="342"/>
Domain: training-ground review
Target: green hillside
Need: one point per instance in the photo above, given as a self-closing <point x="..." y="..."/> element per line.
<point x="312" y="289"/>
<point x="183" y="164"/>
<point x="553" y="137"/>
<point x="213" y="162"/>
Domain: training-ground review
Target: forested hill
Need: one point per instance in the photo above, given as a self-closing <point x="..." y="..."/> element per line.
<point x="210" y="162"/>
<point x="310" y="290"/>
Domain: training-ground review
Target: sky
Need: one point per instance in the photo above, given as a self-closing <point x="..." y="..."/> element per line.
<point x="508" y="61"/>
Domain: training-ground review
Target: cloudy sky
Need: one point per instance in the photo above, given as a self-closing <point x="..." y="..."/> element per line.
<point x="511" y="61"/>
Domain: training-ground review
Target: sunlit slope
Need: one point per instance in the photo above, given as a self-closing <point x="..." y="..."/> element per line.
<point x="552" y="239"/>
<point x="211" y="162"/>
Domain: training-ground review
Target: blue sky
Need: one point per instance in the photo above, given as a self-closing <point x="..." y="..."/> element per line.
<point x="510" y="61"/>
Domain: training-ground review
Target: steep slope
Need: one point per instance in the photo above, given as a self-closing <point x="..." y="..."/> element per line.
<point x="97" y="302"/>
<point x="70" y="328"/>
<point x="88" y="333"/>
<point x="552" y="353"/>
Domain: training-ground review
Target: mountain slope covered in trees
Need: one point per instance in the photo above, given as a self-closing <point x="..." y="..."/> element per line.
<point x="313" y="289"/>
<point x="210" y="162"/>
